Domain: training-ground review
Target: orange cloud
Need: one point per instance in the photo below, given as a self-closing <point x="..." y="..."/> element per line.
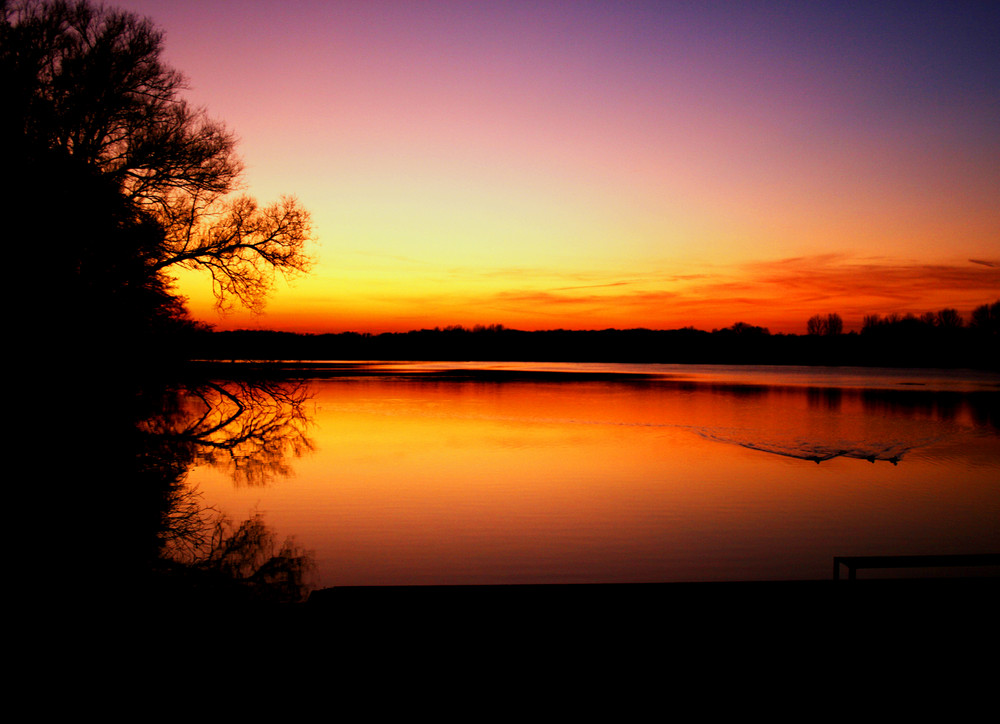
<point x="779" y="294"/>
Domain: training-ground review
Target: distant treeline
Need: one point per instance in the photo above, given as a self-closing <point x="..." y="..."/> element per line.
<point x="890" y="342"/>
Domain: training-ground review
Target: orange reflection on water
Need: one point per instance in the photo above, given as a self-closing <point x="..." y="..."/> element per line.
<point x="447" y="482"/>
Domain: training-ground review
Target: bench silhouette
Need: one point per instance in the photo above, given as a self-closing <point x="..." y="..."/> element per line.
<point x="854" y="563"/>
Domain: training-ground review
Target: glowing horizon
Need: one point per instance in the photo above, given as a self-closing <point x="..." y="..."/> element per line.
<point x="551" y="165"/>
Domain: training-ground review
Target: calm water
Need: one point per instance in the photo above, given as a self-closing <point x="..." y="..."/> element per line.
<point x="456" y="474"/>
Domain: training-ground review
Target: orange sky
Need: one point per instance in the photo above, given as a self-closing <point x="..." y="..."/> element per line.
<point x="592" y="165"/>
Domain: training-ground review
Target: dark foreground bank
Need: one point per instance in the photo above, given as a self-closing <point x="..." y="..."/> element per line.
<point x="784" y="609"/>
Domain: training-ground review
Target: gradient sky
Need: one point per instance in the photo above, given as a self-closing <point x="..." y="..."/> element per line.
<point x="609" y="164"/>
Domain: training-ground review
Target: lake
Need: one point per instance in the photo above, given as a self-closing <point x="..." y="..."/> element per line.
<point x="478" y="473"/>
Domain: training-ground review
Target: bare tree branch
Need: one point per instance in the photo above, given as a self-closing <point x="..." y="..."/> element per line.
<point x="240" y="244"/>
<point x="89" y="83"/>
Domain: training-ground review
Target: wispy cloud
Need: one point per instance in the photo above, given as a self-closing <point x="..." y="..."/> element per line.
<point x="594" y="286"/>
<point x="780" y="293"/>
<point x="830" y="277"/>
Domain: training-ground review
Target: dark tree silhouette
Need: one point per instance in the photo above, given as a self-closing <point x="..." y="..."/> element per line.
<point x="830" y="325"/>
<point x="237" y="563"/>
<point x="948" y="319"/>
<point x="743" y="328"/>
<point x="248" y="428"/>
<point x="95" y="132"/>
<point x="986" y="318"/>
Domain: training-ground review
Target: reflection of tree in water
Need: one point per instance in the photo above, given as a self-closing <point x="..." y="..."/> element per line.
<point x="247" y="429"/>
<point x="209" y="556"/>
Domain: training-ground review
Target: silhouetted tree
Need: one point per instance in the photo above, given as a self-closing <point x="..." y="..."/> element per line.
<point x="94" y="124"/>
<point x="247" y="428"/>
<point x="948" y="319"/>
<point x="871" y="323"/>
<point x="743" y="328"/>
<point x="239" y="564"/>
<point x="986" y="318"/>
<point x="831" y="324"/>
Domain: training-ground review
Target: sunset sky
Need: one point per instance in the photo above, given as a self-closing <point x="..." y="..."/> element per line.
<point x="586" y="165"/>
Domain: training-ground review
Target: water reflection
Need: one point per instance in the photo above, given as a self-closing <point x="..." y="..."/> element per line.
<point x="447" y="478"/>
<point x="827" y="398"/>
<point x="248" y="430"/>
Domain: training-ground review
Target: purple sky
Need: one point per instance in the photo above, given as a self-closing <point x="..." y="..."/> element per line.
<point x="575" y="164"/>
